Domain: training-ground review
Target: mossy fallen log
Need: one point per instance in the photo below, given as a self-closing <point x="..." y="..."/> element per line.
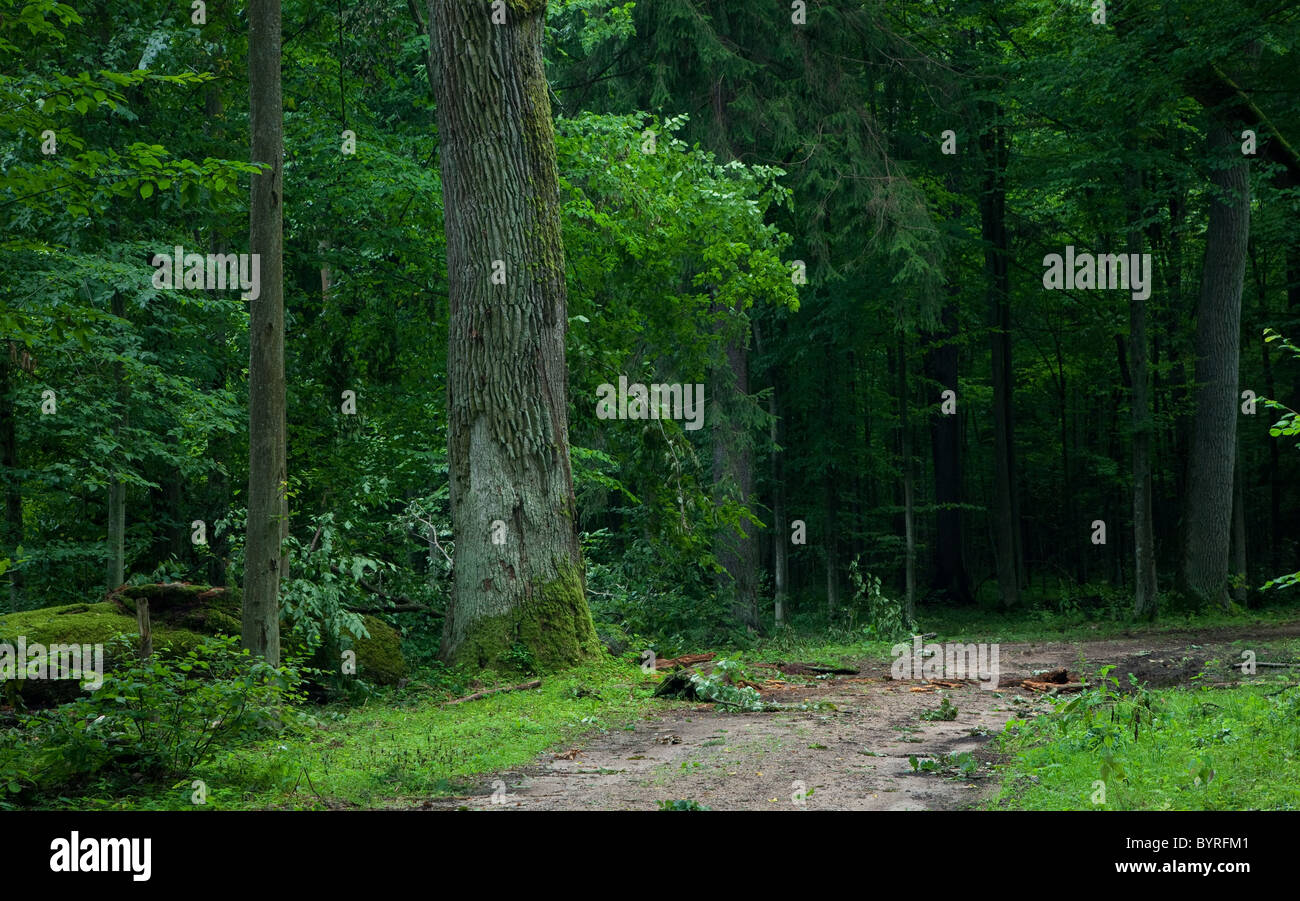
<point x="181" y="615"/>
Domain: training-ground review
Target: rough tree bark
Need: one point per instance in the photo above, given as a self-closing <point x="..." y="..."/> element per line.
<point x="1208" y="506"/>
<point x="518" y="577"/>
<point x="268" y="519"/>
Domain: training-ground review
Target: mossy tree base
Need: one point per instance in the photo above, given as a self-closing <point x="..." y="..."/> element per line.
<point x="554" y="628"/>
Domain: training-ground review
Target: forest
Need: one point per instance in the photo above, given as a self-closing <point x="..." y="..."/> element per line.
<point x="427" y="405"/>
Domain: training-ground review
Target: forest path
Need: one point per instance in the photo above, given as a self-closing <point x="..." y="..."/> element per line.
<point x="849" y="749"/>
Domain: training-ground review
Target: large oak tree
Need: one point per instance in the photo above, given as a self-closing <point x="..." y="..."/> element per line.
<point x="518" y="578"/>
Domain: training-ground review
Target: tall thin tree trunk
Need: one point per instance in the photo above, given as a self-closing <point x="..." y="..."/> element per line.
<point x="1274" y="486"/>
<point x="780" y="532"/>
<point x="268" y="515"/>
<point x="1144" y="549"/>
<point x="518" y="576"/>
<point x="830" y="506"/>
<point x="831" y="546"/>
<point x="1208" y="510"/>
<point x="993" y="216"/>
<point x="941" y="366"/>
<point x="905" y="452"/>
<point x="733" y="471"/>
<point x="12" y="535"/>
<point x="1239" y="589"/>
<point x="116" y="574"/>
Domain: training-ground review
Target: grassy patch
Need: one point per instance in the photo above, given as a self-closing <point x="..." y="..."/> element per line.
<point x="972" y="624"/>
<point x="1175" y="749"/>
<point x="401" y="747"/>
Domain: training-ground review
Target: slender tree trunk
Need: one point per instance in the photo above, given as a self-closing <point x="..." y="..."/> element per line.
<point x="905" y="453"/>
<point x="518" y="577"/>
<point x="1274" y="485"/>
<point x="116" y="574"/>
<point x="1239" y="533"/>
<point x="993" y="216"/>
<point x="831" y="545"/>
<point x="1178" y="312"/>
<point x="268" y="519"/>
<point x="780" y="531"/>
<point x="830" y="506"/>
<point x="1144" y="549"/>
<point x="1208" y="510"/>
<point x="733" y="472"/>
<point x="12" y="525"/>
<point x="941" y="365"/>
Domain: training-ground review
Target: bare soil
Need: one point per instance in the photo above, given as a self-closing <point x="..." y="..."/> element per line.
<point x="849" y="748"/>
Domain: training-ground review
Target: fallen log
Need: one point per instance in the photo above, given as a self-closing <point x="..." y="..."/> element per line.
<point x="678" y="685"/>
<point x="1053" y="687"/>
<point x="684" y="660"/>
<point x="536" y="683"/>
<point x="804" y="669"/>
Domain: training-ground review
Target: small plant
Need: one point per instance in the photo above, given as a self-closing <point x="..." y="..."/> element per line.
<point x="681" y="805"/>
<point x="520" y="658"/>
<point x="962" y="764"/>
<point x="153" y="721"/>
<point x="715" y="688"/>
<point x="945" y="711"/>
<point x="886" y="619"/>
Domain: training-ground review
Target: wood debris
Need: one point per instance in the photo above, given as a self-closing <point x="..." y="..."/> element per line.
<point x="684" y="660"/>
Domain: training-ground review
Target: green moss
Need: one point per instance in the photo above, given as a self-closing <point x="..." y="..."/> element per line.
<point x="379" y="657"/>
<point x="554" y="626"/>
<point x="197" y="608"/>
<point x="80" y="624"/>
<point x="527" y="7"/>
<point x="180" y="616"/>
<point x="86" y="624"/>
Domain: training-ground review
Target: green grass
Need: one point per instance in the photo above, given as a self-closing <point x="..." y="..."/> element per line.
<point x="1044" y="624"/>
<point x="1196" y="749"/>
<point x="401" y="746"/>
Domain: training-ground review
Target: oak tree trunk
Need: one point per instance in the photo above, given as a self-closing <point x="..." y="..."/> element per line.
<point x="518" y="577"/>
<point x="1208" y="511"/>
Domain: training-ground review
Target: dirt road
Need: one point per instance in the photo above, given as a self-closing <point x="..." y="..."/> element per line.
<point x="841" y="743"/>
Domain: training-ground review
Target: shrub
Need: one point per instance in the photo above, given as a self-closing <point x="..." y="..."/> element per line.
<point x="153" y="721"/>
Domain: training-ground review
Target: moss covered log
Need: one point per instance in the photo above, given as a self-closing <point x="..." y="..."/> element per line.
<point x="181" y="616"/>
